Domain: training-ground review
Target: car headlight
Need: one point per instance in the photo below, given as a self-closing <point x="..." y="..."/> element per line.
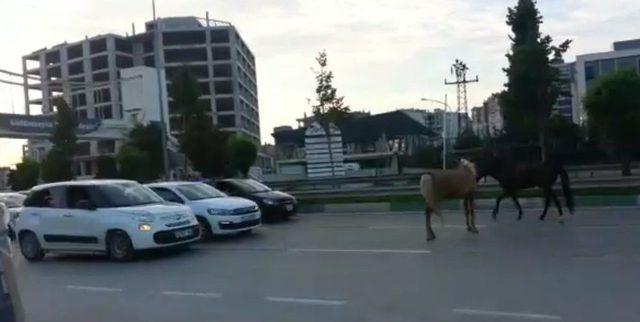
<point x="144" y="227"/>
<point x="270" y="202"/>
<point x="219" y="212"/>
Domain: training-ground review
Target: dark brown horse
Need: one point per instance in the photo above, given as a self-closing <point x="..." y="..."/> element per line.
<point x="513" y="177"/>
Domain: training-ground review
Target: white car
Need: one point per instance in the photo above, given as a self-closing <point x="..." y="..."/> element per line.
<point x="116" y="217"/>
<point x="217" y="213"/>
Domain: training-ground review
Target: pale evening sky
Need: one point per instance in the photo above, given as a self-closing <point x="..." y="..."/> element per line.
<point x="385" y="54"/>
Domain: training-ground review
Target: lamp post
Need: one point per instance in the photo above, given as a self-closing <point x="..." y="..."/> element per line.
<point x="444" y="127"/>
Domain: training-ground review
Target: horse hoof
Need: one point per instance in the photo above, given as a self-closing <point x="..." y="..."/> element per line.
<point x="541" y="218"/>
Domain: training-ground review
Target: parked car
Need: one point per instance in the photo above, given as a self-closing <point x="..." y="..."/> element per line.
<point x="13" y="201"/>
<point x="116" y="217"/>
<point x="273" y="204"/>
<point x="217" y="213"/>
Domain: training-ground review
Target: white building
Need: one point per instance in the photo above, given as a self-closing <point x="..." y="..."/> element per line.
<point x="589" y="67"/>
<point x="567" y="87"/>
<point x="434" y="121"/>
<point x="487" y="119"/>
<point x="88" y="74"/>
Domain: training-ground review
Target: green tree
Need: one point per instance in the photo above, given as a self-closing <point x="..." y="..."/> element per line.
<point x="107" y="168"/>
<point x="563" y="136"/>
<point x="58" y="164"/>
<point x="25" y="175"/>
<point x="467" y="140"/>
<point x="202" y="143"/>
<point x="133" y="164"/>
<point x="148" y="139"/>
<point x="613" y="106"/>
<point x="242" y="154"/>
<point x="329" y="107"/>
<point x="532" y="86"/>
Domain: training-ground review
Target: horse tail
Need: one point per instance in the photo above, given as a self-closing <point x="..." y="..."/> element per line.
<point x="428" y="193"/>
<point x="566" y="188"/>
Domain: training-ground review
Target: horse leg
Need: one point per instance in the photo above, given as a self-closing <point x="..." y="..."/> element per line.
<point x="556" y="201"/>
<point x="495" y="210"/>
<point x="472" y="215"/>
<point x="430" y="235"/>
<point x="515" y="201"/>
<point x="547" y="200"/>
<point x="466" y="214"/>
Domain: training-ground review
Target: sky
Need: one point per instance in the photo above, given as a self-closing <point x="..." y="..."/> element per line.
<point x="385" y="54"/>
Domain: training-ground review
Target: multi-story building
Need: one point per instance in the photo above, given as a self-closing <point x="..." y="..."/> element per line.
<point x="566" y="85"/>
<point x="86" y="73"/>
<point x="487" y="119"/>
<point x="590" y="67"/>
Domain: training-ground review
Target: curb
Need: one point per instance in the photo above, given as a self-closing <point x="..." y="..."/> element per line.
<point x="484" y="204"/>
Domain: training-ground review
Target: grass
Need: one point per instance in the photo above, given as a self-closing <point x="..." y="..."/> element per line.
<point x="616" y="191"/>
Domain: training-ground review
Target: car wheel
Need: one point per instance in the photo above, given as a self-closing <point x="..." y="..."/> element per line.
<point x="30" y="247"/>
<point x="205" y="229"/>
<point x="119" y="246"/>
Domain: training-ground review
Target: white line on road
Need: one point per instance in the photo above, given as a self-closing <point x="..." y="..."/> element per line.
<point x="93" y="288"/>
<point x="178" y="293"/>
<point x="304" y="300"/>
<point x="374" y="251"/>
<point x="515" y="315"/>
<point x="422" y="226"/>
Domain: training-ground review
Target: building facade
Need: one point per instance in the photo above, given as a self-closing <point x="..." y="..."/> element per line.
<point x="567" y="87"/>
<point x="487" y="119"/>
<point x="87" y="74"/>
<point x="590" y="67"/>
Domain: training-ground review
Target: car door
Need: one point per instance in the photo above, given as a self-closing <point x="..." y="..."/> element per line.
<point x="82" y="227"/>
<point x="49" y="210"/>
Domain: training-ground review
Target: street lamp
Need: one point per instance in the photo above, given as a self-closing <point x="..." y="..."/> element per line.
<point x="444" y="127"/>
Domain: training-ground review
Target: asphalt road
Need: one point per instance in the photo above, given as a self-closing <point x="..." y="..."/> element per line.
<point x="363" y="268"/>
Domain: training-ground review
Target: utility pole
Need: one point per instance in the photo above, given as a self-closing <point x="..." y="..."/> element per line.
<point x="459" y="70"/>
<point x="163" y="124"/>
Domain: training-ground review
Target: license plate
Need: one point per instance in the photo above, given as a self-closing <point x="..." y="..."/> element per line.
<point x="182" y="233"/>
<point x="289" y="207"/>
<point x="247" y="217"/>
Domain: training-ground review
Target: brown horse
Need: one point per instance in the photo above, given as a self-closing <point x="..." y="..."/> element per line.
<point x="436" y="186"/>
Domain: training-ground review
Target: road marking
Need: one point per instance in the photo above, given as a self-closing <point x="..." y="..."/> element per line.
<point x="304" y="300"/>
<point x="515" y="315"/>
<point x="93" y="288"/>
<point x="195" y="294"/>
<point x="374" y="251"/>
<point x="422" y="226"/>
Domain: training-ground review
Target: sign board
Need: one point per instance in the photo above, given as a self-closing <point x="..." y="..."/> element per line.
<point x="324" y="153"/>
<point x="40" y="124"/>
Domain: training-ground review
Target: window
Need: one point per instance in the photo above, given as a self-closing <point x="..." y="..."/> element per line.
<point x="75" y="194"/>
<point x="199" y="191"/>
<point x="104" y="112"/>
<point x="222" y="70"/>
<point x="204" y="88"/>
<point x="124" y="61"/>
<point x="221" y="53"/>
<point x="101" y="77"/>
<point x="197" y="71"/>
<point x="76" y="68"/>
<point x="88" y="167"/>
<point x="219" y="36"/>
<point x="226" y="120"/>
<point x="46" y="198"/>
<point x="125" y="194"/>
<point x="148" y="44"/>
<point x="607" y="66"/>
<point x="627" y="63"/>
<point x="82" y="114"/>
<point x="98" y="46"/>
<point x="150" y="61"/>
<point x="223" y="87"/>
<point x="100" y="62"/>
<point x="78" y="100"/>
<point x="123" y="46"/>
<point x="74" y="52"/>
<point x="83" y="149"/>
<point x="183" y="38"/>
<point x="224" y="104"/>
<point x="101" y="95"/>
<point x="591" y="71"/>
<point x="167" y="195"/>
<point x="185" y="55"/>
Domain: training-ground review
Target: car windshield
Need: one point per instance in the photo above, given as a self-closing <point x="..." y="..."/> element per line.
<point x="12" y="200"/>
<point x="251" y="186"/>
<point x="199" y="191"/>
<point x="124" y="194"/>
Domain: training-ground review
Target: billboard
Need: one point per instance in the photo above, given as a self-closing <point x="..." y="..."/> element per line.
<point x="34" y="125"/>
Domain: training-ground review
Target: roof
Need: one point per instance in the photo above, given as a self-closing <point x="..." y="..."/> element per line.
<point x="364" y="129"/>
<point x="81" y="183"/>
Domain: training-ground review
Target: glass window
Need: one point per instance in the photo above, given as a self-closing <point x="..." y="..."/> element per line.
<point x="607" y="66"/>
<point x="98" y="46"/>
<point x="222" y="70"/>
<point x="223" y="87"/>
<point x="74" y="52"/>
<point x="250" y="186"/>
<point x="224" y="104"/>
<point x="591" y="71"/>
<point x="199" y="191"/>
<point x="83" y="148"/>
<point x="104" y="112"/>
<point x="75" y="194"/>
<point x="221" y="53"/>
<point x="219" y="36"/>
<point x="100" y="62"/>
<point x="183" y="38"/>
<point x="627" y="63"/>
<point x="101" y="77"/>
<point x="102" y="95"/>
<point x="46" y="198"/>
<point x="76" y="68"/>
<point x="125" y="194"/>
<point x="226" y="121"/>
<point x="185" y="55"/>
<point x="124" y="61"/>
<point x="167" y="194"/>
<point x="106" y="146"/>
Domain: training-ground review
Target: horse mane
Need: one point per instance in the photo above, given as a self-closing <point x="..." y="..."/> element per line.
<point x="469" y="165"/>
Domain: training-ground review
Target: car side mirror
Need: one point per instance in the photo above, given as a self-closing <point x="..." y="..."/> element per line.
<point x="85" y="204"/>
